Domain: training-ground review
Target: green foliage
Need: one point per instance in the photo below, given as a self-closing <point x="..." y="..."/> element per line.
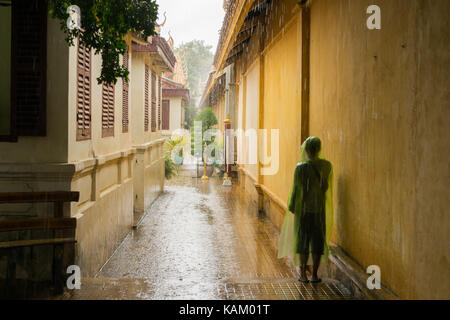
<point x="174" y="142"/>
<point x="170" y="168"/>
<point x="104" y="24"/>
<point x="208" y="120"/>
<point x="199" y="58"/>
<point x="190" y="111"/>
<point x="207" y="117"/>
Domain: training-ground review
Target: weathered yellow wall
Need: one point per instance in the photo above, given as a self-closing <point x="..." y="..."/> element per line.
<point x="219" y="112"/>
<point x="149" y="176"/>
<point x="251" y="118"/>
<point x="239" y="121"/>
<point x="282" y="108"/>
<point x="105" y="210"/>
<point x="268" y="45"/>
<point x="379" y="101"/>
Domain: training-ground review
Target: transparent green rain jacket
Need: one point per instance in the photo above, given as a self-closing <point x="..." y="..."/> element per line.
<point x="300" y="201"/>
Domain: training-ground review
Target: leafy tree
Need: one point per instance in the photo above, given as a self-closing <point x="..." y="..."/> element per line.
<point x="207" y="117"/>
<point x="199" y="58"/>
<point x="208" y="120"/>
<point x="190" y="111"/>
<point x="104" y="24"/>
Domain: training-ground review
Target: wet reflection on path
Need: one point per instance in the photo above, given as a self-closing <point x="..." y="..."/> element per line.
<point x="200" y="240"/>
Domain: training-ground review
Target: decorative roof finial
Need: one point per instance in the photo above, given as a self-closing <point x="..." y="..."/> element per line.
<point x="158" y="26"/>
<point x="171" y="41"/>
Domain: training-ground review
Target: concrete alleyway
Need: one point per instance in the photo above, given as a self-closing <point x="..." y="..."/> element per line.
<point x="201" y="241"/>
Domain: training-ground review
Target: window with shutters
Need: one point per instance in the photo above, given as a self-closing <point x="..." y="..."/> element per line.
<point x="23" y="94"/>
<point x="166" y="115"/>
<point x="107" y="110"/>
<point x="153" y="115"/>
<point x="125" y="97"/>
<point x="83" y="93"/>
<point x="146" y="99"/>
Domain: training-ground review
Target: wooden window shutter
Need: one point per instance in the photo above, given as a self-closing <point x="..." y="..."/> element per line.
<point x="125" y="96"/>
<point x="153" y="116"/>
<point x="29" y="66"/>
<point x="83" y="93"/>
<point x="107" y="110"/>
<point x="146" y="99"/>
<point x="159" y="102"/>
<point x="166" y="115"/>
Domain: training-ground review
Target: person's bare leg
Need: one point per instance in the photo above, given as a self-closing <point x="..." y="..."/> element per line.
<point x="316" y="264"/>
<point x="308" y="269"/>
<point x="303" y="262"/>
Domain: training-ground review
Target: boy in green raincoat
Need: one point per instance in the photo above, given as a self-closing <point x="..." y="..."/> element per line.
<point x="307" y="225"/>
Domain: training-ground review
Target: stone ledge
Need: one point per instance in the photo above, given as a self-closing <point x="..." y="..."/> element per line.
<point x="345" y="269"/>
<point x="89" y="164"/>
<point x="272" y="196"/>
<point x="143" y="147"/>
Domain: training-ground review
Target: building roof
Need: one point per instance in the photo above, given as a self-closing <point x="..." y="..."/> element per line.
<point x="236" y="15"/>
<point x="239" y="24"/>
<point x="173" y="89"/>
<point x="159" y="50"/>
<point x="180" y="71"/>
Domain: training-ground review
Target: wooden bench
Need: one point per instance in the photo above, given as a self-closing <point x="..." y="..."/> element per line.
<point x="58" y="224"/>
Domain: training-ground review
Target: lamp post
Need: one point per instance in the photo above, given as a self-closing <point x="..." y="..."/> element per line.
<point x="227" y="174"/>
<point x="205" y="176"/>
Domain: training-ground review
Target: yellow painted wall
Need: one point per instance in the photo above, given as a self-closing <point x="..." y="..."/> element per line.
<point x="282" y="107"/>
<point x="105" y="210"/>
<point x="240" y="119"/>
<point x="379" y="101"/>
<point x="219" y="112"/>
<point x="148" y="176"/>
<point x="251" y="118"/>
<point x="268" y="40"/>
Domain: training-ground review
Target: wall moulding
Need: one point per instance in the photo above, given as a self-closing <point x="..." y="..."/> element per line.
<point x="144" y="147"/>
<point x="41" y="172"/>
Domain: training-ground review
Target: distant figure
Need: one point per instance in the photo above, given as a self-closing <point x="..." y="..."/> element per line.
<point x="307" y="225"/>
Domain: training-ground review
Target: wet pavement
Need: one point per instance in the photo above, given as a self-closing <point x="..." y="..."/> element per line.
<point x="200" y="240"/>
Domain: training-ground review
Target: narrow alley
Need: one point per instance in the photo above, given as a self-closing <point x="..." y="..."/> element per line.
<point x="201" y="240"/>
<point x="224" y="150"/>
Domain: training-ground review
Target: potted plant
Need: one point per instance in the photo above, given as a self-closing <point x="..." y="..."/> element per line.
<point x="173" y="159"/>
<point x="175" y="143"/>
<point x="170" y="168"/>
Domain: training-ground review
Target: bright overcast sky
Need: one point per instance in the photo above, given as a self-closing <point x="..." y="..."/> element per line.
<point x="192" y="19"/>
